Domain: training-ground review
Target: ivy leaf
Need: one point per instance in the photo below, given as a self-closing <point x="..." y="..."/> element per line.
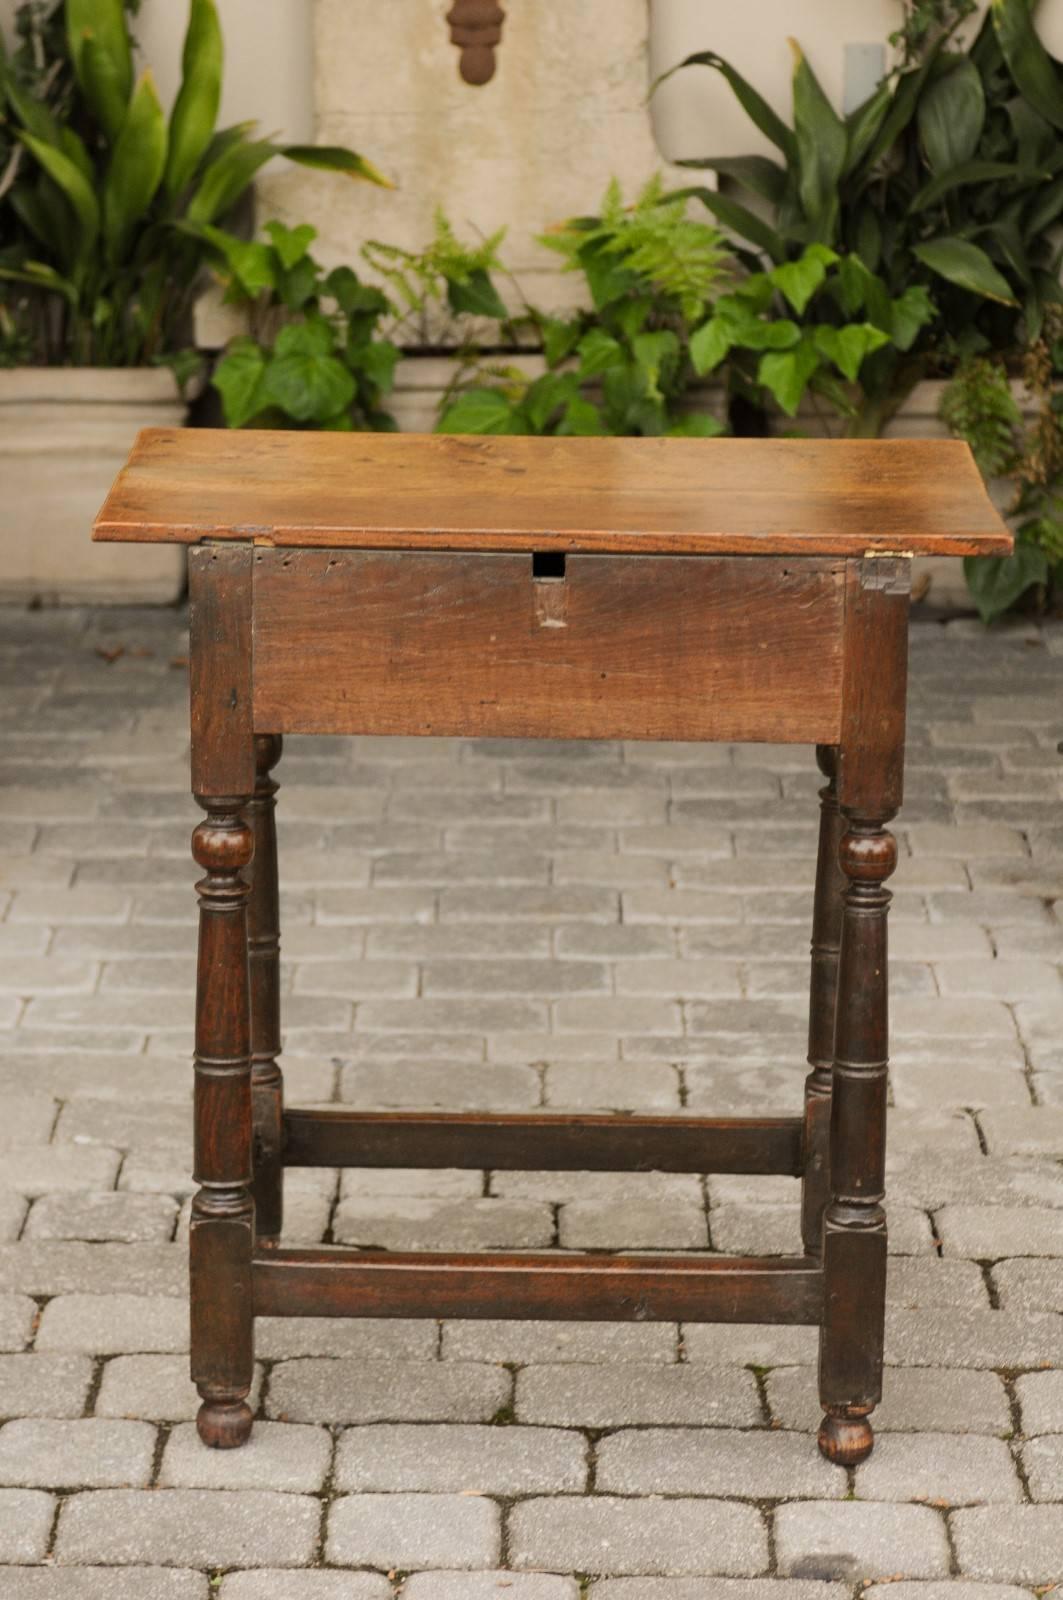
<point x="559" y="339"/>
<point x="478" y="411"/>
<point x="306" y="378"/>
<point x="852" y="282"/>
<point x="653" y="351"/>
<point x="697" y="425"/>
<point x="709" y="345"/>
<point x="547" y="395"/>
<point x="779" y="334"/>
<point x="378" y="360"/>
<point x="581" y="419"/>
<point x="238" y="379"/>
<point x="996" y="582"/>
<point x="291" y="244"/>
<point x="909" y="313"/>
<point x="598" y="351"/>
<point x="785" y="374"/>
<point x="476" y="296"/>
<point x="799" y="280"/>
<point x="847" y="347"/>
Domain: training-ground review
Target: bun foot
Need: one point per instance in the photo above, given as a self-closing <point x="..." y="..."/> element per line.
<point x="845" y="1437"/>
<point x="224" y="1424"/>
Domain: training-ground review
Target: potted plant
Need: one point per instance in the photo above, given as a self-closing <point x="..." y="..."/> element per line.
<point x="947" y="183"/>
<point x="101" y="263"/>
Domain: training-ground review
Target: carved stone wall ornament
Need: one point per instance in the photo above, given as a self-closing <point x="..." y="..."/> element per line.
<point x="476" y="29"/>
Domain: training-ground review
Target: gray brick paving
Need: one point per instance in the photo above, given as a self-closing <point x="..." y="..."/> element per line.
<point x="505" y="925"/>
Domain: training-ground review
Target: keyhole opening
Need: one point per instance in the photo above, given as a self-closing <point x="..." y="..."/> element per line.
<point x="548" y="566"/>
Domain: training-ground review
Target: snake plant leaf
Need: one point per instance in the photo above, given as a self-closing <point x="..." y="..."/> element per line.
<point x="103" y="87"/>
<point x="136" y="168"/>
<point x="738" y="218"/>
<point x="951" y="116"/>
<point x="753" y="104"/>
<point x="1037" y="75"/>
<point x="335" y="158"/>
<point x="1035" y="139"/>
<point x="1045" y="210"/>
<point x="968" y="172"/>
<point x="225" y="179"/>
<point x="104" y="21"/>
<point x="964" y="264"/>
<point x="903" y="107"/>
<point x="41" y="276"/>
<point x="862" y="126"/>
<point x="75" y="187"/>
<point x="822" y="145"/>
<point x="759" y="174"/>
<point x="195" y="110"/>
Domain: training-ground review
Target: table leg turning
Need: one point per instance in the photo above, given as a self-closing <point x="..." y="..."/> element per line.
<point x="823" y="991"/>
<point x="263" y="927"/>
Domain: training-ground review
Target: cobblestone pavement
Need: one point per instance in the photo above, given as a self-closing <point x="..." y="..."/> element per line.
<point x="507" y="926"/>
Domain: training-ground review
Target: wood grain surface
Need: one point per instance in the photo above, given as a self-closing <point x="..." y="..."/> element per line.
<point x="676" y="496"/>
<point x="656" y="647"/>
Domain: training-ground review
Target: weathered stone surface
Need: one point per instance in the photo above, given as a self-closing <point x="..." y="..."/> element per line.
<point x="188" y="1527"/>
<point x="846" y="1540"/>
<point x="453" y="1459"/>
<point x="413" y="1530"/>
<point x="386" y="1391"/>
<point x="100" y="1583"/>
<point x="606" y="1535"/>
<point x="91" y="1454"/>
<point x="1026" y="1546"/>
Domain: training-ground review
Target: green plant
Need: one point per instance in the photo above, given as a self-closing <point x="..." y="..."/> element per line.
<point x="979" y="406"/>
<point x="113" y="279"/>
<point x="948" y="179"/>
<point x="312" y="357"/>
<point x="924" y="21"/>
<point x="623" y="366"/>
<point x="449" y="278"/>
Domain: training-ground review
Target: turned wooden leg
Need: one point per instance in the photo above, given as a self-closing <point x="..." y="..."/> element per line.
<point x="263" y="937"/>
<point x="854" y="1235"/>
<point x="826" y="942"/>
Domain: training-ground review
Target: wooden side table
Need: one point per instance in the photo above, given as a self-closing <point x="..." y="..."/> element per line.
<point x="563" y="588"/>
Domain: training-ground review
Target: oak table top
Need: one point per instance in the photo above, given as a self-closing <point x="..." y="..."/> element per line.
<point x="784" y="497"/>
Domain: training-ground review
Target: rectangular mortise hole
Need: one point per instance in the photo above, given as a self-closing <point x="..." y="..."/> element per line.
<point x="547" y="564"/>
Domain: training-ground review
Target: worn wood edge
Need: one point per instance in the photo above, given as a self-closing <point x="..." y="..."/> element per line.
<point x="330" y="1281"/>
<point x="543" y="1142"/>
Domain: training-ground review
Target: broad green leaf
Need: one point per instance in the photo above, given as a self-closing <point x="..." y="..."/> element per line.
<point x="598" y="351"/>
<point x="951" y="116"/>
<point x="757" y="173"/>
<point x="136" y="168"/>
<point x="1035" y="138"/>
<point x="478" y="411"/>
<point x="238" y="379"/>
<point x="195" y="110"/>
<point x="476" y="296"/>
<point x="607" y="280"/>
<point x="378" y="361"/>
<point x="1033" y="69"/>
<point x="33" y="114"/>
<point x="798" y="280"/>
<point x="104" y="86"/>
<point x="335" y="158"/>
<point x="738" y="218"/>
<point x="853" y="281"/>
<point x="822" y="143"/>
<point x="352" y="296"/>
<point x="847" y="347"/>
<point x="105" y="21"/>
<point x="709" y="345"/>
<point x="1045" y="209"/>
<point x="300" y="285"/>
<point x="753" y="104"/>
<point x="548" y="395"/>
<point x="969" y="172"/>
<point x="909" y="313"/>
<point x="581" y="419"/>
<point x="249" y="261"/>
<point x="74" y="185"/>
<point x="964" y="264"/>
<point x="996" y="582"/>
<point x="305" y="377"/>
<point x="903" y="107"/>
<point x="697" y="425"/>
<point x="653" y="351"/>
<point x="863" y="124"/>
<point x="785" y="374"/>
<point x="291" y="244"/>
<point x="776" y="333"/>
<point x="226" y="178"/>
<point x="559" y="338"/>
<point x="41" y="276"/>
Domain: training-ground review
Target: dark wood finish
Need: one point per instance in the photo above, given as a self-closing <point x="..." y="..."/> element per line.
<point x="330" y="1282"/>
<point x="634" y="496"/>
<point x="222" y="1225"/>
<point x="622" y="648"/>
<point x="540" y="1142"/>
<point x="854" y="1234"/>
<point x="823" y="988"/>
<point x="263" y="938"/>
<point x="220" y="666"/>
<point x="476" y="29"/>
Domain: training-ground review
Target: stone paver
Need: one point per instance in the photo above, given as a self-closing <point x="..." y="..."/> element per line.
<point x="856" y="1542"/>
<point x="505" y="925"/>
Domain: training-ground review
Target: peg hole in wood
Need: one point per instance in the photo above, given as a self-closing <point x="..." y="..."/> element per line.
<point x="548" y="566"/>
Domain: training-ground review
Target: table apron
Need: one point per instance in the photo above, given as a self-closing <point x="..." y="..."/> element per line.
<point x="618" y="647"/>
